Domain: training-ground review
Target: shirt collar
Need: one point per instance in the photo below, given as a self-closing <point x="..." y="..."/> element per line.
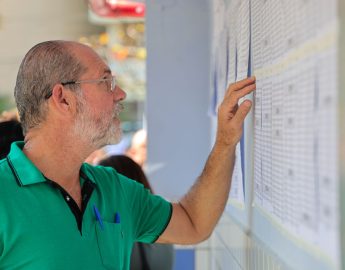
<point x="86" y="172"/>
<point x="27" y="173"/>
<point x="23" y="169"/>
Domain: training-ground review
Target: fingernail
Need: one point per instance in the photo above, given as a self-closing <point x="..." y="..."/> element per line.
<point x="247" y="103"/>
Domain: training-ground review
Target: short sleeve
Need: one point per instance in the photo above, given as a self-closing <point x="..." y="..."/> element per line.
<point x="150" y="213"/>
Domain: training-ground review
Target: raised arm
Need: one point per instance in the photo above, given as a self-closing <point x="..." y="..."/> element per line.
<point x="197" y="213"/>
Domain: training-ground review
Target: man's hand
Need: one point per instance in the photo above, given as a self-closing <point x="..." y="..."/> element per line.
<point x="230" y="115"/>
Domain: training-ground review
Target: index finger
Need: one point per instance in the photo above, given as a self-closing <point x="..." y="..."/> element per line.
<point x="240" y="84"/>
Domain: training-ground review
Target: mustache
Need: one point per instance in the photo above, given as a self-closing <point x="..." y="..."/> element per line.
<point x="118" y="109"/>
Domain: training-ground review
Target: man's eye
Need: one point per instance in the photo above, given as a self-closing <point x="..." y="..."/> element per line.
<point x="103" y="80"/>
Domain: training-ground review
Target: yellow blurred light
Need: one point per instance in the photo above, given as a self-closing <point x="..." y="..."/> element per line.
<point x="141" y="53"/>
<point x="140" y="27"/>
<point x="103" y="39"/>
<point x="116" y="48"/>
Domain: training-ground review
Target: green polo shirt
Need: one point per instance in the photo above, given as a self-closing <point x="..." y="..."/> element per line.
<point x="39" y="229"/>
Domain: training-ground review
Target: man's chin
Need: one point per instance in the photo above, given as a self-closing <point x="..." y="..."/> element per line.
<point x="115" y="138"/>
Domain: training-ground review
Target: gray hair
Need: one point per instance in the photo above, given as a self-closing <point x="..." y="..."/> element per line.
<point x="45" y="65"/>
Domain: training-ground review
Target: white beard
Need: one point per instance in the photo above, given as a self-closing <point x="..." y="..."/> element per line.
<point x="100" y="130"/>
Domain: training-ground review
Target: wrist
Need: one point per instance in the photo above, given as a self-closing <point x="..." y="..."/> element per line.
<point x="224" y="147"/>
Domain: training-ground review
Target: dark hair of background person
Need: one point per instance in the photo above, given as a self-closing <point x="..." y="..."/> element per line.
<point x="128" y="167"/>
<point x="10" y="131"/>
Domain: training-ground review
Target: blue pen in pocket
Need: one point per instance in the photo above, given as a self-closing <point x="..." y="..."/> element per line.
<point x="117" y="218"/>
<point x="98" y="216"/>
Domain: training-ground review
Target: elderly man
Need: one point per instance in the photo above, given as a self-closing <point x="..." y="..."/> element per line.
<point x="57" y="212"/>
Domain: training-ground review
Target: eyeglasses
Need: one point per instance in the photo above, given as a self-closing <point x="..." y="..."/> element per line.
<point x="111" y="83"/>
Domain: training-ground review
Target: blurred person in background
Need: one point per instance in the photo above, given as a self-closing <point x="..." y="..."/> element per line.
<point x="9" y="115"/>
<point x="10" y="131"/>
<point x="144" y="256"/>
<point x="78" y="216"/>
<point x="95" y="157"/>
<point x="137" y="150"/>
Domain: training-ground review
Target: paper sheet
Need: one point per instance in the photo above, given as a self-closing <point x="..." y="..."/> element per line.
<point x="238" y="56"/>
<point x="216" y="56"/>
<point x="295" y="167"/>
<point x="239" y="46"/>
<point x="242" y="38"/>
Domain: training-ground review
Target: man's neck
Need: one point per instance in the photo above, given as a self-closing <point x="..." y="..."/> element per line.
<point x="59" y="158"/>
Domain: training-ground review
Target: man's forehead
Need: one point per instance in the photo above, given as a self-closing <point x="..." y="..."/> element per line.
<point x="101" y="70"/>
<point x="91" y="59"/>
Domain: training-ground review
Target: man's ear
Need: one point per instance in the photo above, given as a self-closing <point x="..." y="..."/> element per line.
<point x="63" y="99"/>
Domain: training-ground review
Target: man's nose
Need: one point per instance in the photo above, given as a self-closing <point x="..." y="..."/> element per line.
<point x="119" y="94"/>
